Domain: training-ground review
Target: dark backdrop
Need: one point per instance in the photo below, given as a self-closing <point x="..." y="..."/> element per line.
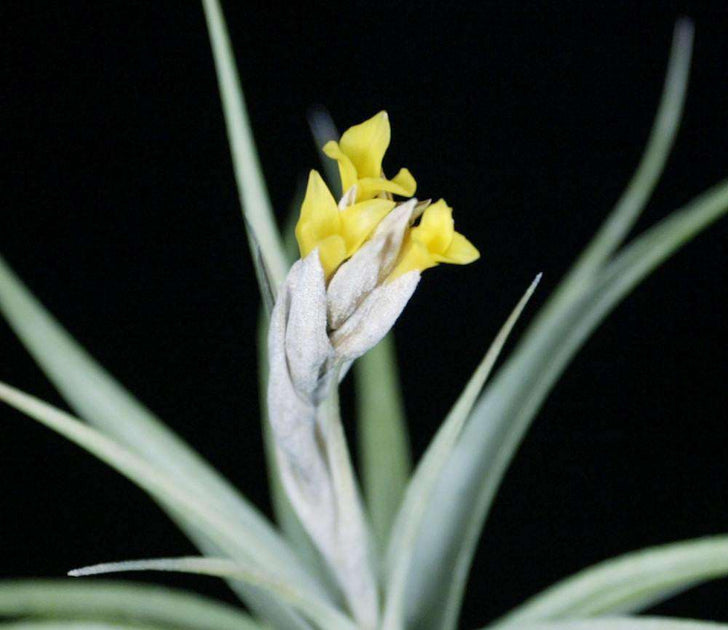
<point x="120" y="212"/>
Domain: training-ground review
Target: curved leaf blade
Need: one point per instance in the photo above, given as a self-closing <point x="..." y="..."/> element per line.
<point x="511" y="401"/>
<point x="221" y="531"/>
<point x="652" y="163"/>
<point x="257" y="211"/>
<point x="410" y="517"/>
<point x="109" y="601"/>
<point x="324" y="615"/>
<point x="624" y="623"/>
<point x="97" y="396"/>
<point x="629" y="583"/>
<point x="505" y="410"/>
<point x="76" y="625"/>
<point x="103" y="402"/>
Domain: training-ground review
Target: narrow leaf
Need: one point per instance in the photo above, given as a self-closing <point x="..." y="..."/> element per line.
<point x="384" y="450"/>
<point x="624" y="623"/>
<point x="95" y="394"/>
<point x="467" y="489"/>
<point x="265" y="282"/>
<point x="272" y="611"/>
<point x="240" y="545"/>
<point x="103" y="402"/>
<point x="248" y="175"/>
<point x="411" y="514"/>
<point x="109" y="601"/>
<point x="77" y="625"/>
<point x="646" y="252"/>
<point x="652" y="164"/>
<point x="321" y="613"/>
<point x="506" y="409"/>
<point x="629" y="583"/>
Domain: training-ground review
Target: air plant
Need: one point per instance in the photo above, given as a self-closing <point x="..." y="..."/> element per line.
<point x="338" y="558"/>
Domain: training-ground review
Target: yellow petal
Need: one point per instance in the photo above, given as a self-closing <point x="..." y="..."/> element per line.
<point x="365" y="144"/>
<point x="347" y="171"/>
<point x="414" y="256"/>
<point x="406" y="182"/>
<point x="332" y="252"/>
<point x="319" y="215"/>
<point x="436" y="228"/>
<point x="371" y="186"/>
<point x="358" y="221"/>
<point x="460" y="252"/>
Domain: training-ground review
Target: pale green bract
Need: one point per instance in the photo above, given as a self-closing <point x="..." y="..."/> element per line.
<point x="420" y="573"/>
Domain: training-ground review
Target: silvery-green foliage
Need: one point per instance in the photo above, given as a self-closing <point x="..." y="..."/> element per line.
<point x="325" y="567"/>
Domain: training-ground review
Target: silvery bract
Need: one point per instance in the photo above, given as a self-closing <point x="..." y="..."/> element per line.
<point x="314" y="330"/>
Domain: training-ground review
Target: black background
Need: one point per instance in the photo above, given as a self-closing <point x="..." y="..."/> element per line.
<point x="120" y="212"/>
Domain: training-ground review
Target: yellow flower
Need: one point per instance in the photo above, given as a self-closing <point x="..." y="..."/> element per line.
<point x="359" y="154"/>
<point x="339" y="230"/>
<point x="337" y="233"/>
<point x="434" y="241"/>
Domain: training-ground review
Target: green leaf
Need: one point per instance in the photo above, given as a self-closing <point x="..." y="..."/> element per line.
<point x="257" y="210"/>
<point x="103" y="402"/>
<point x="97" y="397"/>
<point x="662" y="138"/>
<point x="88" y="388"/>
<point x="624" y="623"/>
<point x="240" y="545"/>
<point x="325" y="616"/>
<point x="274" y="612"/>
<point x="76" y="625"/>
<point x="410" y="517"/>
<point x="384" y="450"/>
<point x="654" y="246"/>
<point x="506" y="409"/>
<point x="490" y="440"/>
<point x="629" y="583"/>
<point x="126" y="602"/>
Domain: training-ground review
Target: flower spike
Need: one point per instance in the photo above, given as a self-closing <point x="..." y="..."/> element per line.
<point x="361" y="261"/>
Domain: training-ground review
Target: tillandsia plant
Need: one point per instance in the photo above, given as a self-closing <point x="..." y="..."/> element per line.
<point x="338" y="559"/>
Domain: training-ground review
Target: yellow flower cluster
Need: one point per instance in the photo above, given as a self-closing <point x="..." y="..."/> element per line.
<point x="339" y="230"/>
